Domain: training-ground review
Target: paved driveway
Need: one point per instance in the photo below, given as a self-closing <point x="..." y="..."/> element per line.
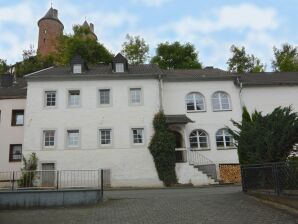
<point x="196" y="205"/>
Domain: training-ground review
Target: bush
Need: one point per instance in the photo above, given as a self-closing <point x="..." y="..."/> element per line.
<point x="162" y="148"/>
<point x="28" y="172"/>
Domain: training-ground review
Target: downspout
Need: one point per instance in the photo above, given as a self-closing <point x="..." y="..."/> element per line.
<point x="160" y="89"/>
<point x="240" y="92"/>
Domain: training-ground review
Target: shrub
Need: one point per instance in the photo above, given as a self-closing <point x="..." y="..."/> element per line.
<point x="28" y="172"/>
<point x="162" y="148"/>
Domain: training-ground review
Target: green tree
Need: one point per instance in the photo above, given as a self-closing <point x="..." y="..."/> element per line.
<point x="176" y="56"/>
<point x="266" y="138"/>
<point x="285" y="59"/>
<point x="135" y="49"/>
<point x="241" y="62"/>
<point x="162" y="148"/>
<point x="82" y="43"/>
<point x="3" y="66"/>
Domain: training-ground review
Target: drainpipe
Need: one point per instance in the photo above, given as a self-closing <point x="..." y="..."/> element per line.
<point x="160" y="90"/>
<point x="240" y="92"/>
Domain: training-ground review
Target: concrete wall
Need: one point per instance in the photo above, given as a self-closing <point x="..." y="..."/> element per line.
<point x="210" y="121"/>
<point x="9" y="134"/>
<point x="130" y="165"/>
<point x="51" y="198"/>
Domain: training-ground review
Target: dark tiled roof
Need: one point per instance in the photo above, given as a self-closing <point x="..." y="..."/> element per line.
<point x="17" y="91"/>
<point x="269" y="78"/>
<point x="197" y="74"/>
<point x="177" y="119"/>
<point x="51" y="14"/>
<point x="99" y="71"/>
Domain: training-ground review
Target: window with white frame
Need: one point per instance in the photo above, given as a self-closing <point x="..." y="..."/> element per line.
<point x="74" y="98"/>
<point x="195" y="102"/>
<point x="135" y="96"/>
<point x="221" y="101"/>
<point x="224" y="139"/>
<point x="199" y="139"/>
<point x="50" y="98"/>
<point x="138" y="135"/>
<point x="77" y="68"/>
<point x="104" y="96"/>
<point x="73" y="138"/>
<point x="105" y="137"/>
<point x="49" y="138"/>
<point x="119" y="67"/>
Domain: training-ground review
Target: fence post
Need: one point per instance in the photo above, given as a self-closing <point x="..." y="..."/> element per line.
<point x="101" y="182"/>
<point x="57" y="182"/>
<point x="12" y="186"/>
<point x="243" y="180"/>
<point x="275" y="179"/>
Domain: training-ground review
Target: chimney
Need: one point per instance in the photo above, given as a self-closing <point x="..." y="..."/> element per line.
<point x="6" y="80"/>
<point x="92" y="27"/>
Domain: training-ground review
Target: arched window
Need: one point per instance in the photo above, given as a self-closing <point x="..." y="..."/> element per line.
<point x="195" y="102"/>
<point x="221" y="101"/>
<point x="224" y="139"/>
<point x="198" y="139"/>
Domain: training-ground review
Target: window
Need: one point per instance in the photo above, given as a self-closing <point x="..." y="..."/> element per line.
<point x="221" y="101"/>
<point x="135" y="96"/>
<point x="119" y="67"/>
<point x="15" y="153"/>
<point x="17" y="118"/>
<point x="49" y="138"/>
<point x="77" y="68"/>
<point x="195" y="102"/>
<point x="74" y="98"/>
<point x="198" y="139"/>
<point x="224" y="139"/>
<point x="138" y="135"/>
<point x="73" y="138"/>
<point x="104" y="96"/>
<point x="50" y="98"/>
<point x="105" y="137"/>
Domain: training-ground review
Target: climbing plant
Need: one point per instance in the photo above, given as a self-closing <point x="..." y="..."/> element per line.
<point x="162" y="148"/>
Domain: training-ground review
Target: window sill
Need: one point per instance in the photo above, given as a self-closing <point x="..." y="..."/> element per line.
<point x="195" y="111"/>
<point x="17" y="125"/>
<point x="15" y="161"/>
<point x="205" y="149"/>
<point x="48" y="148"/>
<point x="226" y="148"/>
<point x="222" y="110"/>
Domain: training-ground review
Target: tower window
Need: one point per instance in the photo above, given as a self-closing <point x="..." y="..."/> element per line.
<point x="45" y="31"/>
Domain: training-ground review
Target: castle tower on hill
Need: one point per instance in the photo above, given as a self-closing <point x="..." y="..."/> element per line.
<point x="91" y="27"/>
<point x="50" y="29"/>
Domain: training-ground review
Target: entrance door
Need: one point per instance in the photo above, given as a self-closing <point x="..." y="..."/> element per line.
<point x="48" y="175"/>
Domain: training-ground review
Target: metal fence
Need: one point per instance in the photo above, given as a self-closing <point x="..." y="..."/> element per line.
<point x="271" y="178"/>
<point x="54" y="179"/>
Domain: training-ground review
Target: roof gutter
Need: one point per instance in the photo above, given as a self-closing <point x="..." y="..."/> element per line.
<point x="38" y="71"/>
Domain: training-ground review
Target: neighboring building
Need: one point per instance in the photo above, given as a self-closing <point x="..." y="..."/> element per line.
<point x="50" y="29"/>
<point x="12" y="108"/>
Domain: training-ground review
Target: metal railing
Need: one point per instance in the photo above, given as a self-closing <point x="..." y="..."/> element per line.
<point x="271" y="178"/>
<point x="201" y="162"/>
<point x="54" y="179"/>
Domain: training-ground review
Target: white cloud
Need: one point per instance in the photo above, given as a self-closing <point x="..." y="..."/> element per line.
<point x="238" y="17"/>
<point x="154" y="3"/>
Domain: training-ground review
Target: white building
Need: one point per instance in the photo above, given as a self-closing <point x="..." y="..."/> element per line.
<point x="12" y="107"/>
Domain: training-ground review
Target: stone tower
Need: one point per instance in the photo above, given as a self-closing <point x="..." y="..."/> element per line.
<point x="91" y="27"/>
<point x="50" y="29"/>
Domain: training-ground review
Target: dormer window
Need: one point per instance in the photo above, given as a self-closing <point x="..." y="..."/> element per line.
<point x="77" y="68"/>
<point x="119" y="67"/>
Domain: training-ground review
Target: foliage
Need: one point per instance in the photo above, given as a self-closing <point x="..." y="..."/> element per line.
<point x="266" y="138"/>
<point x="162" y="148"/>
<point x="176" y="56"/>
<point x="28" y="171"/>
<point x="33" y="62"/>
<point x="241" y="62"/>
<point x="82" y="43"/>
<point x="3" y="66"/>
<point x="135" y="49"/>
<point x="285" y="59"/>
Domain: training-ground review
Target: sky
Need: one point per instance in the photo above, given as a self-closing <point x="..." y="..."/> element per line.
<point x="211" y="25"/>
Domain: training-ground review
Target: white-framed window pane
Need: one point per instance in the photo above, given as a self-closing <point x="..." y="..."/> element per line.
<point x="195" y="102"/>
<point x="104" y="96"/>
<point x="224" y="138"/>
<point x="135" y="95"/>
<point x="105" y="136"/>
<point x="119" y="67"/>
<point x="50" y="97"/>
<point x="73" y="138"/>
<point x="74" y="98"/>
<point x="221" y="101"/>
<point x="49" y="138"/>
<point x="19" y="119"/>
<point x="198" y="139"/>
<point x="138" y="135"/>
<point x="77" y="68"/>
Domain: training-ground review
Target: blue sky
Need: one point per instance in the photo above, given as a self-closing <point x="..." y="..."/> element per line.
<point x="211" y="25"/>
